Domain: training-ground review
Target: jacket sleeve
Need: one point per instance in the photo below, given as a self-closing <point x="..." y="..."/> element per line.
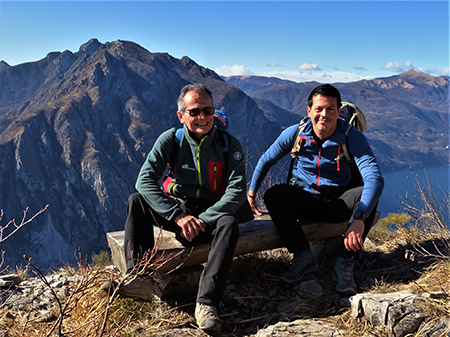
<point x="235" y="191"/>
<point x="152" y="171"/>
<point x="281" y="147"/>
<point x="370" y="172"/>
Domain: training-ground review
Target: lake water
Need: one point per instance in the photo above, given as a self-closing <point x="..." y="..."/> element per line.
<point x="398" y="187"/>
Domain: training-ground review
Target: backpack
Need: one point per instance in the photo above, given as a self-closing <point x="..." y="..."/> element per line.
<point x="356" y="118"/>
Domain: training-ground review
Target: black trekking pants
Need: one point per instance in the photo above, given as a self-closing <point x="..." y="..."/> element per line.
<point x="139" y="239"/>
<point x="288" y="204"/>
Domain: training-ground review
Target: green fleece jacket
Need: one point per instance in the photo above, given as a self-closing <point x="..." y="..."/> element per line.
<point x="200" y="171"/>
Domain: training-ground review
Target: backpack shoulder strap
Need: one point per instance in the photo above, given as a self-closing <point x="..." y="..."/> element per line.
<point x="296" y="147"/>
<point x="224" y="142"/>
<point x="178" y="135"/>
<point x="298" y="140"/>
<point x="357" y="179"/>
<point x="345" y="149"/>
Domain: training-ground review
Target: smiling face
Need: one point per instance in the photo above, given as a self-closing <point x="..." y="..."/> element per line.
<point x="324" y="114"/>
<point x="199" y="125"/>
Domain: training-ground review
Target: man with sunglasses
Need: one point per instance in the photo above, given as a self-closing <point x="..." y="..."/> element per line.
<point x="205" y="192"/>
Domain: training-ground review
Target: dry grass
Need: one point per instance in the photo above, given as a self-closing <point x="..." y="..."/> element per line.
<point x="255" y="277"/>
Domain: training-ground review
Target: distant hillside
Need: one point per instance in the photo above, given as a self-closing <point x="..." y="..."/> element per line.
<point x="75" y="129"/>
<point x="407" y="114"/>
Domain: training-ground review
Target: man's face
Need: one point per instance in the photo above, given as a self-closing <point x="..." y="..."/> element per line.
<point x="201" y="124"/>
<point x="324" y="114"/>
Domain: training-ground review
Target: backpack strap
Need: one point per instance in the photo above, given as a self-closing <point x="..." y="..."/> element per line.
<point x="298" y="140"/>
<point x="296" y="147"/>
<point x="178" y="135"/>
<point x="345" y="149"/>
<point x="224" y="141"/>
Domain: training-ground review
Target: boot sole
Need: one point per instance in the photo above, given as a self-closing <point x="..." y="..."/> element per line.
<point x="215" y="329"/>
<point x="347" y="291"/>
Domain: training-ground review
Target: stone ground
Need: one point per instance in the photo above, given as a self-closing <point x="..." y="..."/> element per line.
<point x="255" y="302"/>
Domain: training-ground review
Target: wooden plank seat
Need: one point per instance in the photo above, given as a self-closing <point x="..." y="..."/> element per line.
<point x="257" y="235"/>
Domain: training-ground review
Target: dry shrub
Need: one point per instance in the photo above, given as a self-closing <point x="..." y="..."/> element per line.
<point x="150" y="317"/>
<point x="429" y="214"/>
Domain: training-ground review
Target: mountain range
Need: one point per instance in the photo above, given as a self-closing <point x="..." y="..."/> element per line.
<point x="75" y="129"/>
<point x="407" y="115"/>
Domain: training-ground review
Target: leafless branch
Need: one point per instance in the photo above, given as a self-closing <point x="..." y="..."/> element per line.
<point x="17" y="227"/>
<point x="429" y="217"/>
<point x="41" y="276"/>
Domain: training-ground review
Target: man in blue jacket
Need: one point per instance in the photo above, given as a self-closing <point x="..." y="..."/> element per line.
<point x="207" y="188"/>
<point x="320" y="188"/>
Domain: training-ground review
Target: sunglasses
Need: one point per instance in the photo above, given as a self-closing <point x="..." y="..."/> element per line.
<point x="208" y="111"/>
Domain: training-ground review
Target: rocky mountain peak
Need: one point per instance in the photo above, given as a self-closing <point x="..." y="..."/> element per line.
<point x="4" y="65"/>
<point x="412" y="79"/>
<point x="90" y="47"/>
<point x="52" y="55"/>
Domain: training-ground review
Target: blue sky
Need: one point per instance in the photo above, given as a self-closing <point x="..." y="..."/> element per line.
<point x="326" y="41"/>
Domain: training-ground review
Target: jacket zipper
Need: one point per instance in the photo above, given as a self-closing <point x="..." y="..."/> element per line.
<point x="339" y="158"/>
<point x="318" y="170"/>
<point x="199" y="167"/>
<point x="215" y="177"/>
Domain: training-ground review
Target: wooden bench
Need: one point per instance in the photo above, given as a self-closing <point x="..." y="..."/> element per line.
<point x="257" y="235"/>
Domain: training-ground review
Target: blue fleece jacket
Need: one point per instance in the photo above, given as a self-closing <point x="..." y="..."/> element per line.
<point x="318" y="168"/>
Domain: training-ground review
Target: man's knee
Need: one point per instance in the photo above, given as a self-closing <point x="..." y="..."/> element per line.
<point x="135" y="198"/>
<point x="137" y="205"/>
<point x="228" y="225"/>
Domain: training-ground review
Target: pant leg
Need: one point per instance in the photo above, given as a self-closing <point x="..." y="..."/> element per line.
<point x="139" y="238"/>
<point x="214" y="276"/>
<point x="351" y="199"/>
<point x="287" y="204"/>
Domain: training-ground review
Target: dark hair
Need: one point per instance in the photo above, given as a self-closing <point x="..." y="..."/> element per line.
<point x="325" y="90"/>
<point x="197" y="87"/>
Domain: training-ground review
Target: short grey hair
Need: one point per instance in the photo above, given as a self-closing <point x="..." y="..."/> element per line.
<point x="196" y="87"/>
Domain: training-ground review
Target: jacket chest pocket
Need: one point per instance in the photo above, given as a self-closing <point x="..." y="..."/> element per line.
<point x="217" y="177"/>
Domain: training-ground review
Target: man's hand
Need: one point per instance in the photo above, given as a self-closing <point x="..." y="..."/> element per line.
<point x="251" y="200"/>
<point x="190" y="225"/>
<point x="353" y="236"/>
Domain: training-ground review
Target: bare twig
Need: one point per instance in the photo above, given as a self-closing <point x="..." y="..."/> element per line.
<point x="428" y="216"/>
<point x="44" y="279"/>
<point x="17" y="227"/>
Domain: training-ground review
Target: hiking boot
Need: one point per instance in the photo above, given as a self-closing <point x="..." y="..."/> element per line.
<point x="302" y="264"/>
<point x="344" y="273"/>
<point x="207" y="319"/>
<point x="141" y="288"/>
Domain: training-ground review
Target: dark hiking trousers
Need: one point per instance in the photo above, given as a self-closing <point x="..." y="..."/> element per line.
<point x="223" y="236"/>
<point x="288" y="205"/>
